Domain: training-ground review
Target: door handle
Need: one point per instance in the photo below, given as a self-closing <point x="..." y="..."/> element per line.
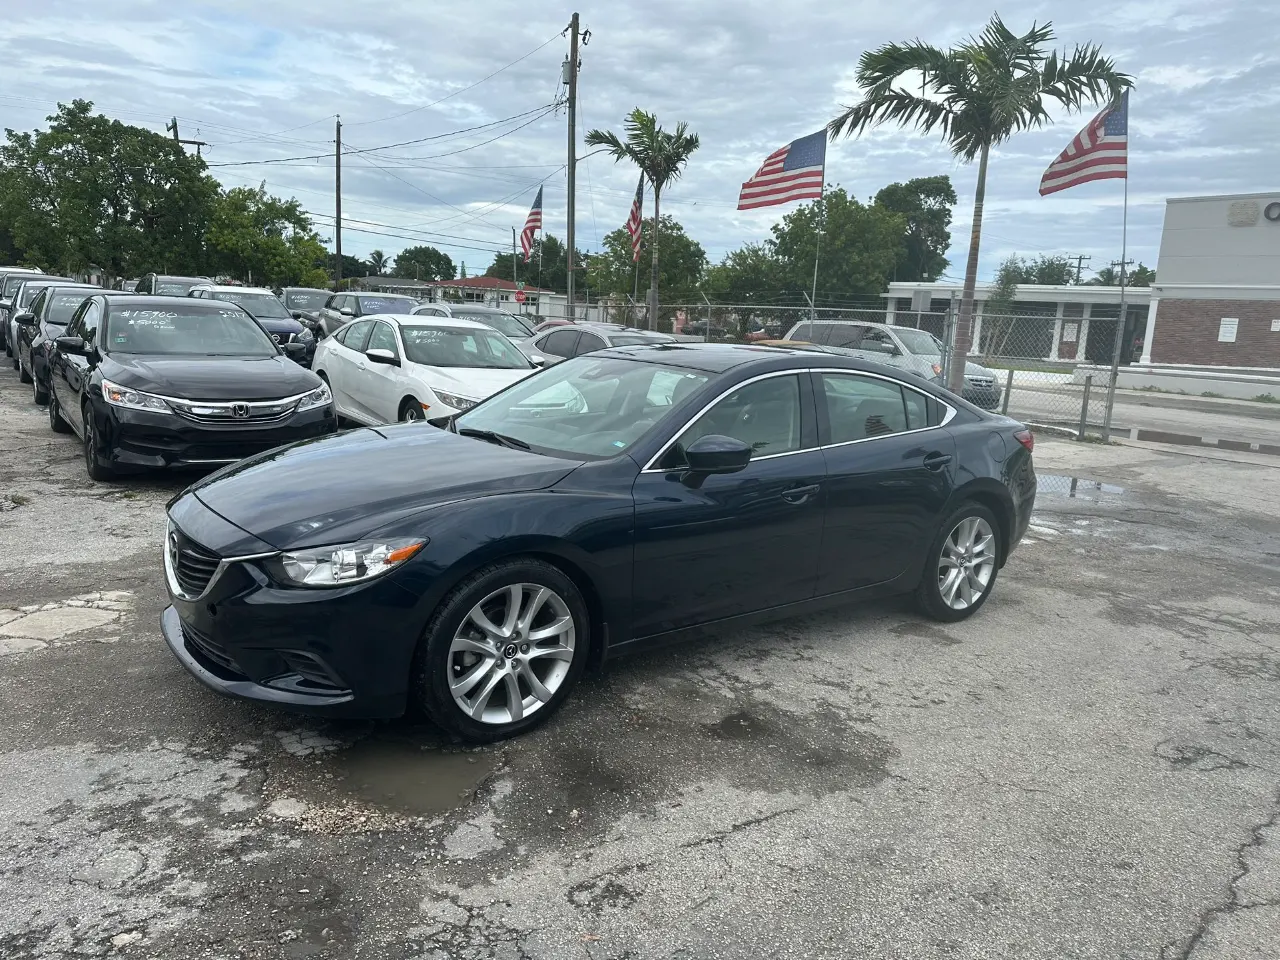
<point x="798" y="495"/>
<point x="936" y="461"/>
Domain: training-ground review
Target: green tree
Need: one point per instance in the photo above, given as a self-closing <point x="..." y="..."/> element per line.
<point x="977" y="95"/>
<point x="423" y="263"/>
<point x="1142" y="276"/>
<point x="548" y="265"/>
<point x="379" y="261"/>
<point x="351" y="266"/>
<point x="612" y="271"/>
<point x="257" y="237"/>
<point x="93" y="191"/>
<point x="926" y="203"/>
<point x="661" y="158"/>
<point x="860" y="246"/>
<point x="751" y="274"/>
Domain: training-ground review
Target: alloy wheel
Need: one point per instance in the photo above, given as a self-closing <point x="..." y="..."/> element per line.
<point x="412" y="413"/>
<point x="511" y="653"/>
<point x="967" y="563"/>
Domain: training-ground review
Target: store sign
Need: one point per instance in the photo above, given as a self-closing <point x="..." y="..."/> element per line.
<point x="1227" y="329"/>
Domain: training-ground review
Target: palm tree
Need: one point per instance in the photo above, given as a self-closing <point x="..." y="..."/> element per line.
<point x="379" y="261"/>
<point x="977" y="95"/>
<point x="661" y="157"/>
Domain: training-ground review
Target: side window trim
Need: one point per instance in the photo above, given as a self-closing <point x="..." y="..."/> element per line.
<point x="808" y="442"/>
<point x="948" y="411"/>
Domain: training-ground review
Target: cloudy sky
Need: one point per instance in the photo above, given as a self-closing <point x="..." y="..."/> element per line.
<point x="263" y="81"/>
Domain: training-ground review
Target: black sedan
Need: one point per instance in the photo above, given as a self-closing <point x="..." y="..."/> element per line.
<point x="614" y="501"/>
<point x="149" y="382"/>
<point x="42" y="323"/>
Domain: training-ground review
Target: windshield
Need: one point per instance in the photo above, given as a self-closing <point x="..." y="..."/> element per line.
<point x="172" y="287"/>
<point x="12" y="284"/>
<point x="461" y="347"/>
<point x="63" y="305"/>
<point x="387" y="304"/>
<point x="920" y="342"/>
<point x="30" y="292"/>
<point x="262" y="305"/>
<point x="204" y="329"/>
<point x="306" y="299"/>
<point x="586" y="408"/>
<point x="504" y="323"/>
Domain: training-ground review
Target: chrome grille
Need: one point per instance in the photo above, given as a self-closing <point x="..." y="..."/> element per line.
<point x="193" y="565"/>
<point x="980" y="381"/>
<point x="237" y="412"/>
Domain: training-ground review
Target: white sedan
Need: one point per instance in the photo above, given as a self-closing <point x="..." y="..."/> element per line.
<point x="386" y="368"/>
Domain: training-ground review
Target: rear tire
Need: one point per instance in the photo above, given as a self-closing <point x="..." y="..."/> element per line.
<point x="961" y="565"/>
<point x="542" y="649"/>
<point x="56" y="423"/>
<point x="23" y="375"/>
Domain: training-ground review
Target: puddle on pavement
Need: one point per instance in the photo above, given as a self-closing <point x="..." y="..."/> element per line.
<point x="1077" y="488"/>
<point x="1190" y="440"/>
<point x="409" y="778"/>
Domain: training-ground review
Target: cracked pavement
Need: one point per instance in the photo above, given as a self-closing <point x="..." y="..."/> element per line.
<point x="1088" y="768"/>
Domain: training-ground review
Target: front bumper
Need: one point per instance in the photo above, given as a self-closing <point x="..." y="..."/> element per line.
<point x="142" y="440"/>
<point x="987" y="397"/>
<point x="342" y="652"/>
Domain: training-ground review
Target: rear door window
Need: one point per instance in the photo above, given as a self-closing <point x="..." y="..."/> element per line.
<point x="860" y="408"/>
<point x="587" y="342"/>
<point x="560" y="343"/>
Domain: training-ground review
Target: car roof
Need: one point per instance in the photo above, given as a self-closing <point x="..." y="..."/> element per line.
<point x="72" y="285"/>
<point x="230" y="288"/>
<point x="470" y="308"/>
<point x="372" y="293"/>
<point x="426" y="320"/>
<point x="307" y="289"/>
<point x="719" y="357"/>
<point x="40" y="279"/>
<point x="135" y="301"/>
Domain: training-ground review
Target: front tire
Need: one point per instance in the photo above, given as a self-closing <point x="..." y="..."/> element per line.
<point x="39" y="394"/>
<point x="502" y="651"/>
<point x="961" y="566"/>
<point x="56" y="423"/>
<point x="92" y="465"/>
<point x="411" y="411"/>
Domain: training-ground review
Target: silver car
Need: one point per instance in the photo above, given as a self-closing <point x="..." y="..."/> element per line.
<point x="513" y="327"/>
<point x="916" y="351"/>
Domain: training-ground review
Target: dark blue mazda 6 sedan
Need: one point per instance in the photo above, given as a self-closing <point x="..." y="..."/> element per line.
<point x="620" y="499"/>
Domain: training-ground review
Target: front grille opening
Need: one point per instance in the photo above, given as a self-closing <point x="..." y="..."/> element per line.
<point x="309" y="674"/>
<point x="212" y="654"/>
<point x="194" y="566"/>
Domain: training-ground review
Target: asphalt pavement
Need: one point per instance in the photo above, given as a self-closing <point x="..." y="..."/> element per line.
<point x="1090" y="767"/>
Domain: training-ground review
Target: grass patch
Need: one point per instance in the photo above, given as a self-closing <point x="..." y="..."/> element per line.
<point x="1266" y="398"/>
<point x="1214" y="396"/>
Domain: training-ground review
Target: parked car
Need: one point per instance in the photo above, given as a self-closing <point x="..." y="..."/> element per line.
<point x="342" y="308"/>
<point x="10" y="279"/>
<point x="388" y="368"/>
<point x="511" y="326"/>
<point x="266" y="308"/>
<point x="26" y="290"/>
<point x="41" y="323"/>
<point x="158" y="382"/>
<point x="560" y="343"/>
<point x="617" y="501"/>
<point x="162" y="285"/>
<point x="916" y="351"/>
<point x="127" y="286"/>
<point x="304" y="304"/>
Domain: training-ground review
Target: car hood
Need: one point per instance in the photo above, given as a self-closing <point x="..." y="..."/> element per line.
<point x="340" y="488"/>
<point x="211" y="378"/>
<point x="280" y="324"/>
<point x="473" y="383"/>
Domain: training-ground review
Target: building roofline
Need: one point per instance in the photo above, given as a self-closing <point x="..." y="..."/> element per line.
<point x="1273" y="194"/>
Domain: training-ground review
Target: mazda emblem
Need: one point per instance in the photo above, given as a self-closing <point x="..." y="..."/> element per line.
<point x="240" y="410"/>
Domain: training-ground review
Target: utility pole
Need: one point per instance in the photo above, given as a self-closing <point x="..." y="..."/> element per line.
<point x="571" y="78"/>
<point x="172" y="126"/>
<point x="337" y="202"/>
<point x="515" y="266"/>
<point x="1079" y="264"/>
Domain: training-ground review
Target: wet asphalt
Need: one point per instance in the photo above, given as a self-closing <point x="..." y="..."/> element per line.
<point x="1088" y="768"/>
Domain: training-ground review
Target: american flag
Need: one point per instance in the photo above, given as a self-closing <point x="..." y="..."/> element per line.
<point x="793" y="173"/>
<point x="532" y="224"/>
<point x="1099" y="152"/>
<point x="635" y="222"/>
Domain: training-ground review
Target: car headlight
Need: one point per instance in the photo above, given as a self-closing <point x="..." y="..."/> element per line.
<point x="119" y="396"/>
<point x="345" y="563"/>
<point x="458" y="403"/>
<point x="316" y="398"/>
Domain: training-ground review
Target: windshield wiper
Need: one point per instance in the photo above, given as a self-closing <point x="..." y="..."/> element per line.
<point x="499" y="438"/>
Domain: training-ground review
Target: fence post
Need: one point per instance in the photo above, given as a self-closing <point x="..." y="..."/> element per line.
<point x="1084" y="406"/>
<point x="1008" y="389"/>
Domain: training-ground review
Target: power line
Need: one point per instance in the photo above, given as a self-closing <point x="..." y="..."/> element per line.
<point x="397" y="116"/>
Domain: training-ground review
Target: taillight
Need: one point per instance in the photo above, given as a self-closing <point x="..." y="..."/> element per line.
<point x="1026" y="438"/>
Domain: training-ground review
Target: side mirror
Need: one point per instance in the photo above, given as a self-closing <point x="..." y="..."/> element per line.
<point x="25" y="319"/>
<point x="294" y="350"/>
<point x="72" y="345"/>
<point x="347" y="312"/>
<point x="296" y="314"/>
<point x="379" y="355"/>
<point x="717" y="454"/>
<point x="538" y="361"/>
